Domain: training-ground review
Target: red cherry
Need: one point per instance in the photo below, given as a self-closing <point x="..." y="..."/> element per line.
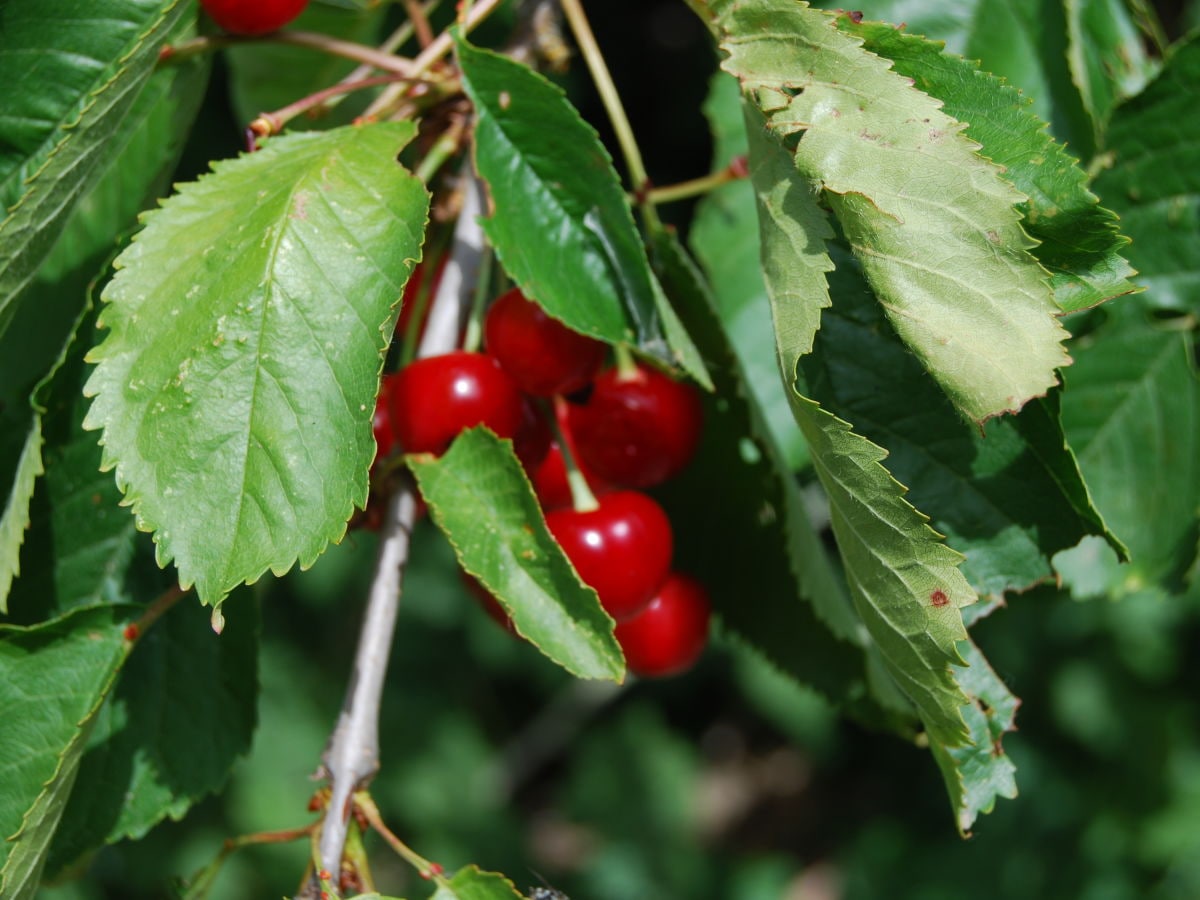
<point x="531" y="443"/>
<point x="669" y="635"/>
<point x="638" y="430"/>
<point x="622" y="549"/>
<point x="542" y="355"/>
<point x="381" y="422"/>
<point x="435" y="398"/>
<point x="253" y="16"/>
<point x="550" y="483"/>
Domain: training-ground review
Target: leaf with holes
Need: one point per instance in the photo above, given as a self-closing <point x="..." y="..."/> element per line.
<point x="237" y="379"/>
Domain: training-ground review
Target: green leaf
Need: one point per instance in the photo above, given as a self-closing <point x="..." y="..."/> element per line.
<point x="20" y="454"/>
<point x="480" y="497"/>
<point x="904" y="581"/>
<point x="471" y="883"/>
<point x="724" y="238"/>
<point x="1080" y="244"/>
<point x="1131" y="410"/>
<point x="265" y="76"/>
<point x="799" y="614"/>
<point x="561" y="224"/>
<point x="236" y="383"/>
<point x="1022" y="41"/>
<point x="1153" y="181"/>
<point x="182" y="711"/>
<point x="53" y="678"/>
<point x="1009" y="500"/>
<point x="933" y="223"/>
<point x="57" y="142"/>
<point x="979" y="772"/>
<point x="1107" y="55"/>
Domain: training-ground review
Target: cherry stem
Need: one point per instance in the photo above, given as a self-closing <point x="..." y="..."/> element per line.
<point x="416" y="15"/>
<point x="602" y="78"/>
<point x="446" y="146"/>
<point x="474" y="335"/>
<point x="271" y="123"/>
<point x="442" y="44"/>
<point x="161" y="604"/>
<point x="583" y="499"/>
<point x="695" y="187"/>
<point x="370" y="812"/>
<point x="627" y="367"/>
<point x="202" y="882"/>
<point x="313" y="40"/>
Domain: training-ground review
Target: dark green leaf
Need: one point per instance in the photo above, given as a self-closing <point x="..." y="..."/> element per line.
<point x="236" y="383"/>
<point x="1080" y="244"/>
<point x="58" y="141"/>
<point x="1009" y="501"/>
<point x="979" y="772"/>
<point x="562" y="225"/>
<point x="798" y="615"/>
<point x="1131" y="410"/>
<point x="53" y="678"/>
<point x="181" y="713"/>
<point x="1153" y="180"/>
<point x="480" y="497"/>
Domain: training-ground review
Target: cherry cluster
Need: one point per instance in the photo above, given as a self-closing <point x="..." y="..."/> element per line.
<point x="626" y="428"/>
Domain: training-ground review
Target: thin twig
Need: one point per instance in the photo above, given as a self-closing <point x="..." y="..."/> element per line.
<point x="416" y="15"/>
<point x="270" y="123"/>
<point x="441" y="45"/>
<point x="325" y="43"/>
<point x="351" y="758"/>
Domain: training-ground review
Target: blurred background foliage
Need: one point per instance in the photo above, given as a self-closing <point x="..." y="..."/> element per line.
<point x="729" y="782"/>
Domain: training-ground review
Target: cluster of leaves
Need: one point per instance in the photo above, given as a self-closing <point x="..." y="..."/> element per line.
<point x="908" y="241"/>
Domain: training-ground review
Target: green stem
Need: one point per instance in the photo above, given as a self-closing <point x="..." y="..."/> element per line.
<point x="614" y="108"/>
<point x="445" y="147"/>
<point x="696" y="187"/>
<point x="474" y="332"/>
<point x="583" y="499"/>
<point x="627" y="366"/>
<point x="370" y="812"/>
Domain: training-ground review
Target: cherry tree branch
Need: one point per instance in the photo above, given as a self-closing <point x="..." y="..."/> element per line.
<point x="351" y="757"/>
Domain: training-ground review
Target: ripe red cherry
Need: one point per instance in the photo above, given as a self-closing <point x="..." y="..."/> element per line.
<point x="638" y="430"/>
<point x="542" y="355"/>
<point x="622" y="549"/>
<point x="435" y="398"/>
<point x="532" y="441"/>
<point x="381" y="422"/>
<point x="669" y="635"/>
<point x="253" y="16"/>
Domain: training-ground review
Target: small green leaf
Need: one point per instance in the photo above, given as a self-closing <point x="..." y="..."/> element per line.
<point x="480" y="497"/>
<point x="1107" y="55"/>
<point x="101" y="61"/>
<point x="1080" y="244"/>
<point x="53" y="678"/>
<point x="980" y="771"/>
<point x="21" y="455"/>
<point x="236" y="383"/>
<point x="471" y="883"/>
<point x="935" y="226"/>
<point x="561" y="224"/>
<point x="1153" y="182"/>
<point x="182" y="711"/>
